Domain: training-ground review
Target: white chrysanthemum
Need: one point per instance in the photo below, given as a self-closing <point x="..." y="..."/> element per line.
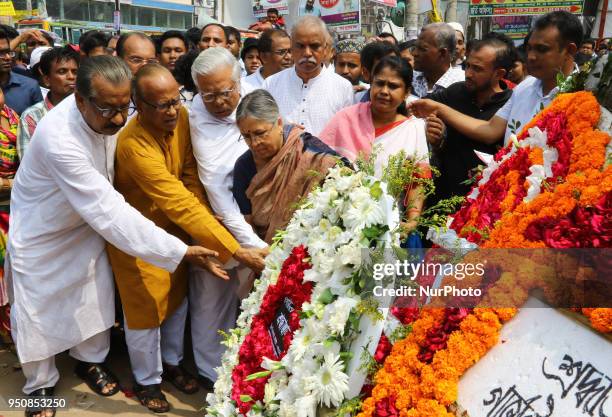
<point x="363" y="214"/>
<point x="312" y="332"/>
<point x="337" y="313"/>
<point x="329" y="384"/>
<point x="344" y="184"/>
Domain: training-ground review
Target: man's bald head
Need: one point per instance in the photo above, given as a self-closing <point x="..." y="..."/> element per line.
<point x="151" y="79"/>
<point x="157" y="98"/>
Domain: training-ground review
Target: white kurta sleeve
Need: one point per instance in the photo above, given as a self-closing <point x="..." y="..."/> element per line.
<point x="93" y="197"/>
<point x="223" y="204"/>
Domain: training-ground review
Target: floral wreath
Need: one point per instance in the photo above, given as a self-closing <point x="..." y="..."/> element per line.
<point x="550" y="188"/>
<point x="319" y="260"/>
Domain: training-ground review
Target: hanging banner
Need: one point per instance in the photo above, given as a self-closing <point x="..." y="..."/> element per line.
<point x="260" y="7"/>
<point x="390" y="3"/>
<point x="339" y="15"/>
<point x="515" y="27"/>
<point x="7" y="9"/>
<point x="480" y="8"/>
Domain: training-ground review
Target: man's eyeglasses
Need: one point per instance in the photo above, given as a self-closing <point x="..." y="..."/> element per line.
<point x="136" y="60"/>
<point x="257" y="136"/>
<point x="225" y="94"/>
<point x="184" y="98"/>
<point x="10" y="54"/>
<point x="110" y="113"/>
<point x="282" y="52"/>
<point x="164" y="107"/>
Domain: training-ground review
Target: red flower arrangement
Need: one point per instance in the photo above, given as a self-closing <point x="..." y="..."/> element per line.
<point x="258" y="343"/>
<point x="568" y="123"/>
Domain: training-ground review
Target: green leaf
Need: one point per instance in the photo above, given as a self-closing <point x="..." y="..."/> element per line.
<point x="327" y="297"/>
<point x="376" y="191"/>
<point x="246" y="398"/>
<point x="258" y="375"/>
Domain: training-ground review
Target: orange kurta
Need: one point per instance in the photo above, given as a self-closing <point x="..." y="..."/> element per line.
<point x="159" y="178"/>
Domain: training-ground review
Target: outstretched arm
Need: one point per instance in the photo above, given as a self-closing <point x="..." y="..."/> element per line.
<point x="485" y="131"/>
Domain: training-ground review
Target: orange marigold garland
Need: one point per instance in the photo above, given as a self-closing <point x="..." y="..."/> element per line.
<point x="428" y="389"/>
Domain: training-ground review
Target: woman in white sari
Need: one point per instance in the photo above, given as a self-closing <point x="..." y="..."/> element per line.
<point x="383" y="123"/>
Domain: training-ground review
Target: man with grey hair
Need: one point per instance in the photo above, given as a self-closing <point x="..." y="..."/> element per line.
<point x="433" y="55"/>
<point x="307" y="93"/>
<point x="63" y="211"/>
<point x="216" y="145"/>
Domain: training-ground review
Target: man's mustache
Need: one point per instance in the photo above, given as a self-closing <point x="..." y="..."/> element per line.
<point x="307" y="61"/>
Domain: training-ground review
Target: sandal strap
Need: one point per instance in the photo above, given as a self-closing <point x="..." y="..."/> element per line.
<point x="97" y="375"/>
<point x="149" y="392"/>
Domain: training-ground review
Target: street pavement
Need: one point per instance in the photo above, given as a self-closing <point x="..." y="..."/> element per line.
<point x="83" y="402"/>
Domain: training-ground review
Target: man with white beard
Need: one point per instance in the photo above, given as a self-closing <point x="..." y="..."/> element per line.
<point x="217" y="144"/>
<point x="63" y="210"/>
<point x="308" y="94"/>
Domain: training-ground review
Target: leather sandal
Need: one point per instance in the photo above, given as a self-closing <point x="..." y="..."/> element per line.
<point x="97" y="377"/>
<point x="45" y="393"/>
<point x="148" y="395"/>
<point x="180" y="378"/>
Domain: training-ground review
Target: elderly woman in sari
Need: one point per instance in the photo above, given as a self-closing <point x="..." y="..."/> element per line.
<point x="383" y="123"/>
<point x="277" y="170"/>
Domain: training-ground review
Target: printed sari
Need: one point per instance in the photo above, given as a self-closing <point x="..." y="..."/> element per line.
<point x="288" y="177"/>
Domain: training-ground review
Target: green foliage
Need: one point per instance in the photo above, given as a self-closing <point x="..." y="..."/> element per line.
<point x="575" y="81"/>
<point x="369" y="307"/>
<point x="349" y="407"/>
<point x="403" y="172"/>
<point x="400" y="333"/>
<point x="436" y="216"/>
<point x="368" y="364"/>
<point x="366" y="163"/>
<point x="514" y="126"/>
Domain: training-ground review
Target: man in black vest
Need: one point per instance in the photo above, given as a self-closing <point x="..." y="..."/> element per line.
<point x="480" y="96"/>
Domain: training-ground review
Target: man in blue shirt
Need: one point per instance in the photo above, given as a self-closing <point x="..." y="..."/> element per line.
<point x="20" y="92"/>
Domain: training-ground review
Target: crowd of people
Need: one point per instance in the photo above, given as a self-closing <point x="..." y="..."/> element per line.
<point x="164" y="166"/>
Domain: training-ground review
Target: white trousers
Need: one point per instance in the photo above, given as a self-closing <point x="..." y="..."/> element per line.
<point x="43" y="373"/>
<point x="213" y="305"/>
<point x="149" y="347"/>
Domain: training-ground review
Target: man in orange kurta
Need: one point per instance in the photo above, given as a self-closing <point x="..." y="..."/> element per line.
<point x="157" y="174"/>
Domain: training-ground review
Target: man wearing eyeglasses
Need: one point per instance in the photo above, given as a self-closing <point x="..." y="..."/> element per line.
<point x="20" y="92"/>
<point x="275" y="54"/>
<point x="137" y="50"/>
<point x="63" y="211"/>
<point x="217" y="145"/>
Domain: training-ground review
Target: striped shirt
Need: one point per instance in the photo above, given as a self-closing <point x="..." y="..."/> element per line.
<point x="28" y="122"/>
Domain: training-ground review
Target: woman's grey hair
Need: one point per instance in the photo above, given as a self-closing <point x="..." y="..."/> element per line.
<point x="259" y="105"/>
<point x="444" y="34"/>
<point x="212" y="60"/>
<point x="109" y="68"/>
<point x="315" y="21"/>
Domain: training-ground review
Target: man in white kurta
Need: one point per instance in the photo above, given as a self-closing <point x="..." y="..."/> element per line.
<point x="63" y="209"/>
<point x="308" y="94"/>
<point x="217" y="144"/>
